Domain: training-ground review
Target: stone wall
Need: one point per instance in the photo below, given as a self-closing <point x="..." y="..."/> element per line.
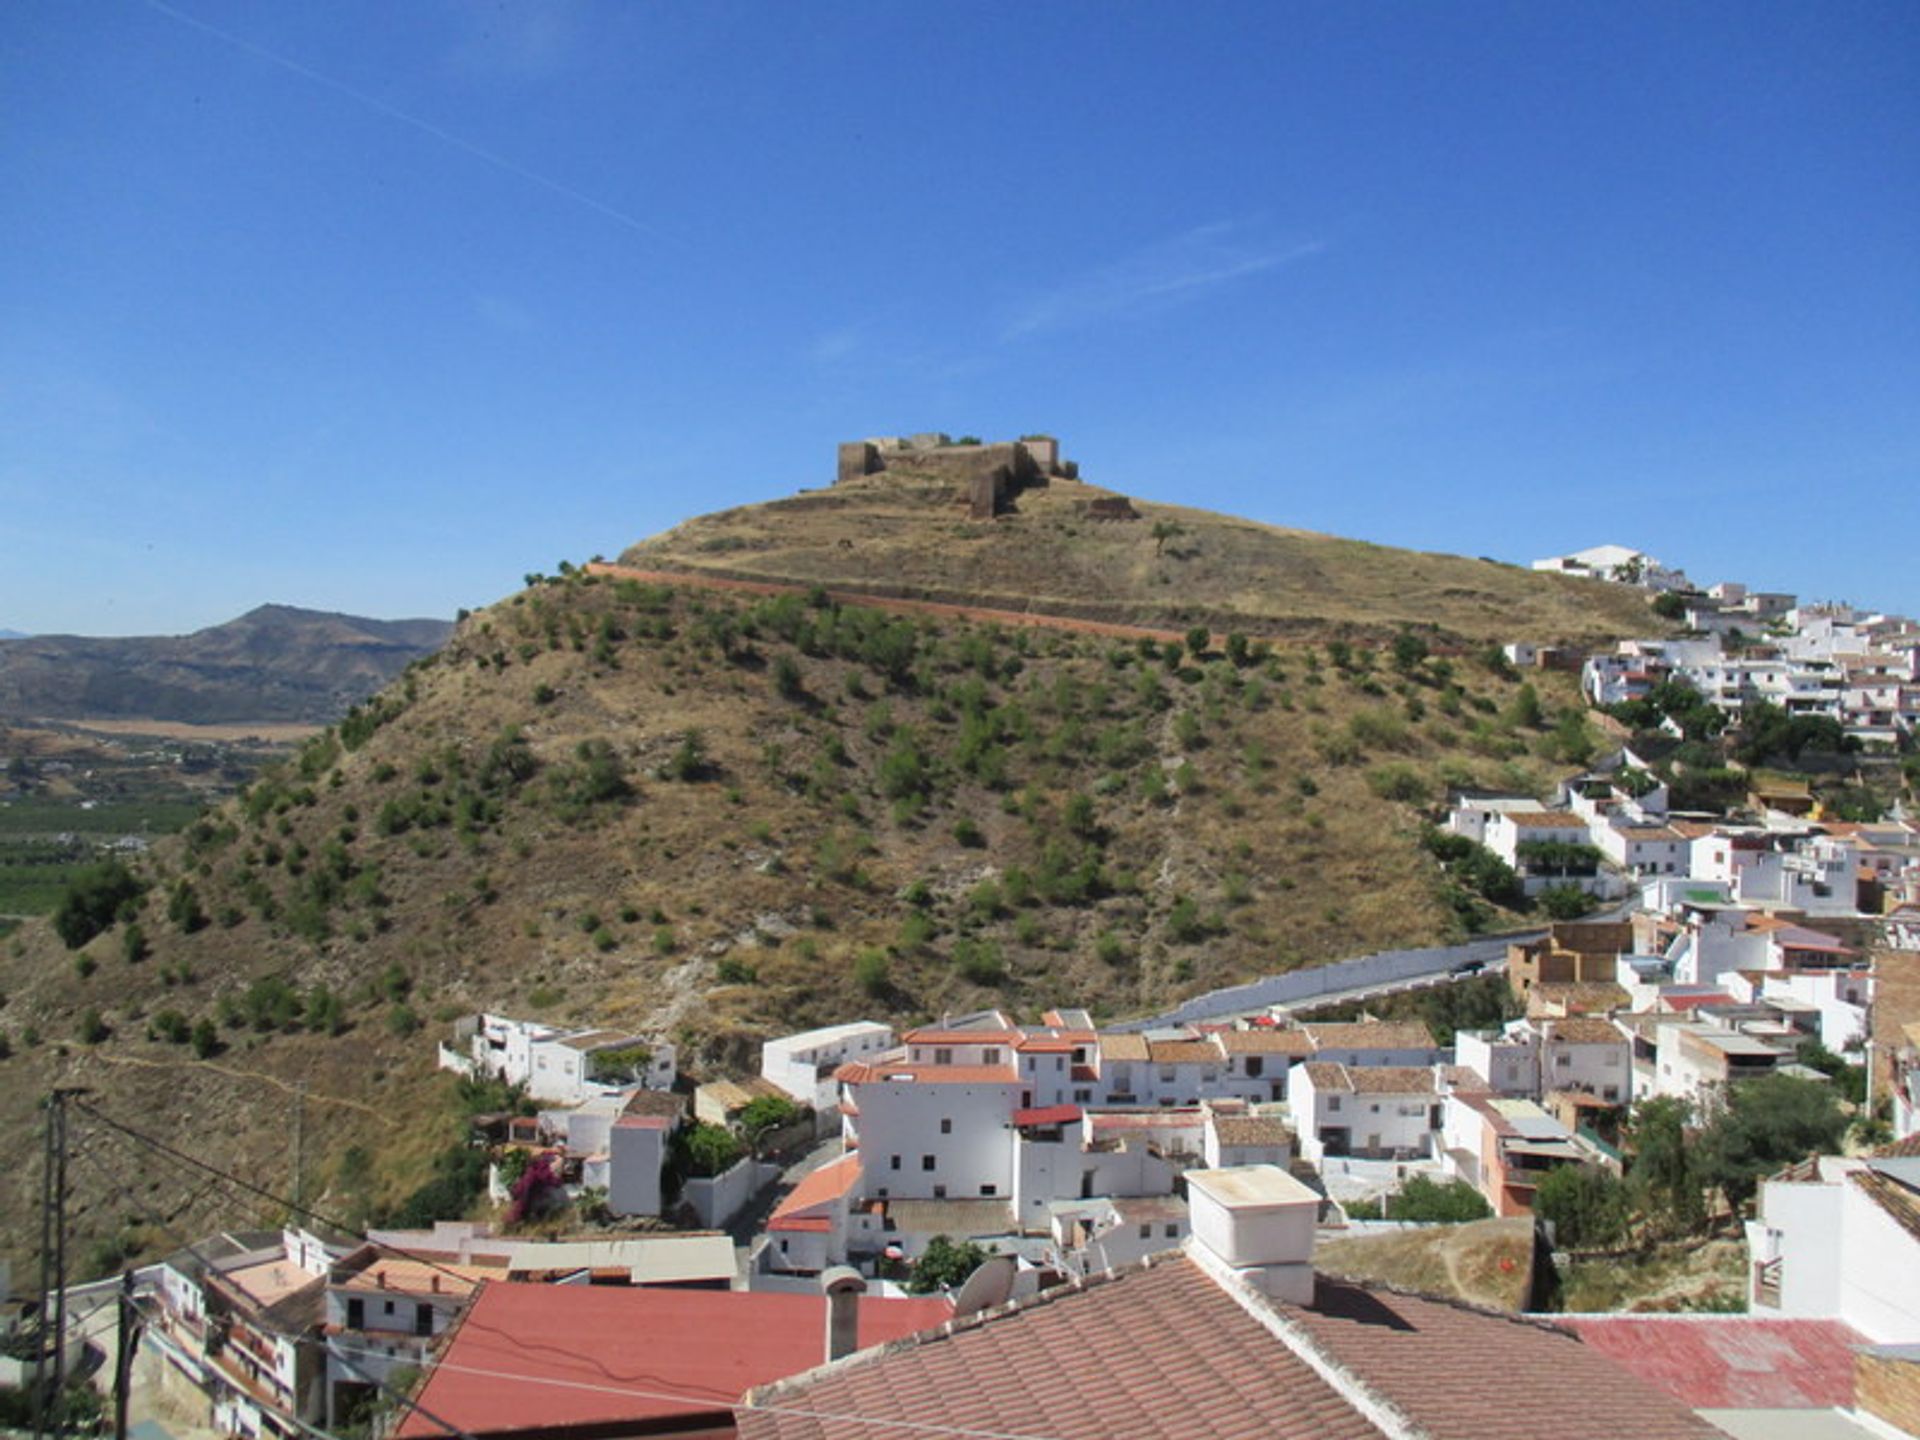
<point x="858" y="458"/>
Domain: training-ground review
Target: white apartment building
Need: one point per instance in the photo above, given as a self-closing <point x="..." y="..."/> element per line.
<point x="802" y="1065"/>
<point x="559" y="1065"/>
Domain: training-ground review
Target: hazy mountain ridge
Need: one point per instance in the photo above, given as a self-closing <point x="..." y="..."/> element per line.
<point x="275" y="663"/>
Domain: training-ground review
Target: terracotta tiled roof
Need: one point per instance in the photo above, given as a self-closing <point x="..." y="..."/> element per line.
<point x="1162" y="1350"/>
<point x="1372" y="1035"/>
<point x="1183" y="1052"/>
<point x="1544" y="820"/>
<point x="960" y="1037"/>
<point x="664" y="1104"/>
<point x="1901" y="1204"/>
<point x="1585" y="1030"/>
<point x="1327" y="1075"/>
<point x="816" y="1193"/>
<point x="1265" y="1042"/>
<point x="1391" y="1079"/>
<point x="1252" y="1130"/>
<point x="1123" y="1047"/>
<point x="1047" y="1115"/>
<point x="1118" y="1355"/>
<point x="856" y="1073"/>
<point x="1049" y="1044"/>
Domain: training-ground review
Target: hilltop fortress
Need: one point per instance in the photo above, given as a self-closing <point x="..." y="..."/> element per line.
<point x="987" y="476"/>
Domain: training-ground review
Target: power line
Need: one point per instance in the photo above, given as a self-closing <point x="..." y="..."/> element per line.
<point x="262" y="1193"/>
<point x="294" y="1338"/>
<point x="926" y="1427"/>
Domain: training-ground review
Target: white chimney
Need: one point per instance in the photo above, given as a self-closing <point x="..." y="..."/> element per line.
<point x="844" y="1287"/>
<point x="1259" y="1221"/>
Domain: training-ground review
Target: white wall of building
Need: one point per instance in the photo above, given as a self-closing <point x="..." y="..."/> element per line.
<point x="924" y="1140"/>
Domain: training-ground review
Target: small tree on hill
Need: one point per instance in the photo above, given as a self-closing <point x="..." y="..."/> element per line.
<point x="1453" y="1201"/>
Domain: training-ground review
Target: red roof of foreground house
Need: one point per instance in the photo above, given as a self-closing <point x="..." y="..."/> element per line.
<point x="1731" y="1362"/>
<point x="1163" y="1350"/>
<point x="585" y="1359"/>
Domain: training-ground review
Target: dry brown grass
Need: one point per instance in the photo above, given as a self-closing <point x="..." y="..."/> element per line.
<point x="898" y="535"/>
<point x="1484" y="1262"/>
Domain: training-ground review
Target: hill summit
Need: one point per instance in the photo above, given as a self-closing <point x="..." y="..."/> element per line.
<point x="1012" y="525"/>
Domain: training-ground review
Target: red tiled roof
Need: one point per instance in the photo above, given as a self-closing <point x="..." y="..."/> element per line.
<point x="1183" y="1052"/>
<point x="961" y="1037"/>
<point x="1585" y="1030"/>
<point x="1161" y="1350"/>
<point x="1047" y="1115"/>
<point x="1731" y="1362"/>
<point x="1149" y="1354"/>
<point x="1265" y="1042"/>
<point x="1047" y="1044"/>
<point x="566" y="1357"/>
<point x="816" y="1191"/>
<point x="1371" y="1035"/>
<point x="855" y="1072"/>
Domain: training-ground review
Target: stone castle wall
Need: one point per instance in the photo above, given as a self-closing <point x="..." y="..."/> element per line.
<point x="987" y="476"/>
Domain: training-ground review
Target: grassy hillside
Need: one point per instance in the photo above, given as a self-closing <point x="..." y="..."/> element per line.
<point x="723" y="818"/>
<point x="900" y="534"/>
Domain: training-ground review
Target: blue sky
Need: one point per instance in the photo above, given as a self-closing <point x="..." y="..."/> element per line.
<point x="378" y="307"/>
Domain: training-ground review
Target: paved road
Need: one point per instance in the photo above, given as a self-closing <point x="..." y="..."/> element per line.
<point x="1361" y="978"/>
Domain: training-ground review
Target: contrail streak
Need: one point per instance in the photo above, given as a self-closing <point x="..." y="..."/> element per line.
<point x="392" y="112"/>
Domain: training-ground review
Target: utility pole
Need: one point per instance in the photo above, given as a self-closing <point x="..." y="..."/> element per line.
<point x="128" y="1339"/>
<point x="50" y="1401"/>
<point x="299" y="1151"/>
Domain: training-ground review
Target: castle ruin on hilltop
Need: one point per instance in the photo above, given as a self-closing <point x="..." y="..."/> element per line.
<point x="987" y="476"/>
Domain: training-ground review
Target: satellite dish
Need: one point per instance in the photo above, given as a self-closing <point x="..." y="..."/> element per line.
<point x="989" y="1285"/>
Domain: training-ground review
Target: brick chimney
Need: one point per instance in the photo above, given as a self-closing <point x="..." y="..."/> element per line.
<point x="1258" y="1221"/>
<point x="844" y="1287"/>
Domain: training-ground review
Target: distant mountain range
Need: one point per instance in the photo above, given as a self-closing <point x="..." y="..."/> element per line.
<point x="275" y="663"/>
<point x="13" y="635"/>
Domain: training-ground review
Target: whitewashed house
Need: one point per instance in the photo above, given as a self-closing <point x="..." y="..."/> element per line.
<point x="564" y="1066"/>
<point x="802" y="1065"/>
<point x="1588" y="1055"/>
<point x="1840" y="1239"/>
<point x="1377" y="1112"/>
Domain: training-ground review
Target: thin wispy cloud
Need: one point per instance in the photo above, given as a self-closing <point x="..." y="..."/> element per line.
<point x="394" y="112"/>
<point x="1174" y="271"/>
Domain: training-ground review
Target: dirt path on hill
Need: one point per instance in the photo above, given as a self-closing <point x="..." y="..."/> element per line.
<point x="314" y="1096"/>
<point x="1032" y="620"/>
